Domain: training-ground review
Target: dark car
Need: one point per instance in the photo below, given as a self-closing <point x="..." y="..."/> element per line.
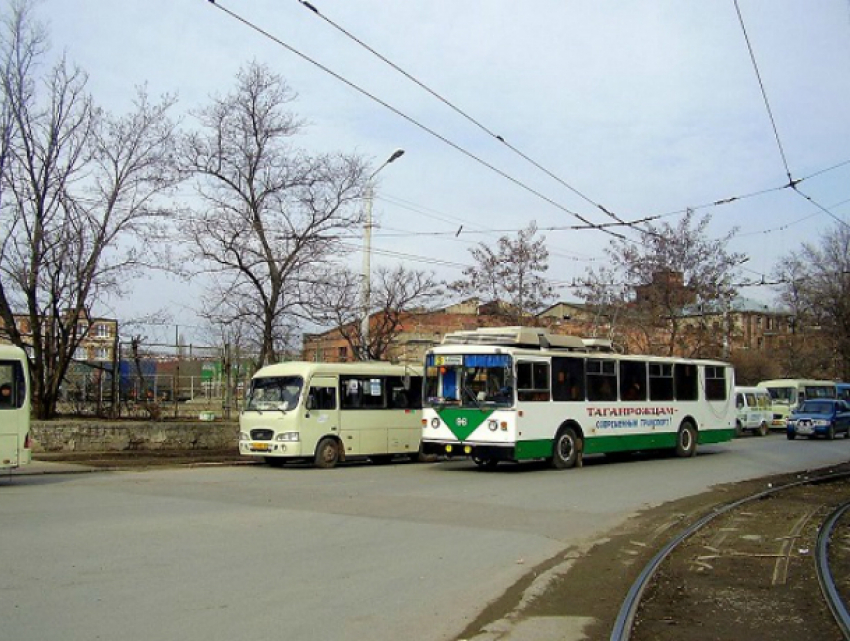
<point x="822" y="417"/>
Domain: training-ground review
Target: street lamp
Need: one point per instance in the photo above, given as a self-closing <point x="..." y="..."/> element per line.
<point x="367" y="254"/>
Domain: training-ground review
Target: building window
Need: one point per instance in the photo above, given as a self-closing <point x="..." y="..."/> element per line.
<point x="342" y="352"/>
<point x="102" y="330"/>
<point x="101" y="354"/>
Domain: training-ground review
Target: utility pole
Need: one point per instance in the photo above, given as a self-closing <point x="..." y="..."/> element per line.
<point x="367" y="257"/>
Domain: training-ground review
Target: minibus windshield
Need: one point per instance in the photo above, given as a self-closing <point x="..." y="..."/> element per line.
<point x="274" y="393"/>
<point x="783" y="394"/>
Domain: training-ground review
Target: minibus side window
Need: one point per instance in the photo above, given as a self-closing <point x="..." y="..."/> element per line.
<point x="322" y="398"/>
<point x="362" y="392"/>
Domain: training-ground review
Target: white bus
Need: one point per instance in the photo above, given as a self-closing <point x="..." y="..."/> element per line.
<point x="515" y="394"/>
<point x="15" y="443"/>
<point x="787" y="393"/>
<point x="331" y="412"/>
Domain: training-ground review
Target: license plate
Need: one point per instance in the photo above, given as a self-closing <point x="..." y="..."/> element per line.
<point x="804" y="429"/>
<point x="260" y="447"/>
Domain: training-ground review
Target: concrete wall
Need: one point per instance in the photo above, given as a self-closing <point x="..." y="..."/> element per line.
<point x="106" y="436"/>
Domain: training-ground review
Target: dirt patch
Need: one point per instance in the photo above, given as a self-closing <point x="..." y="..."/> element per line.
<point x="141" y="459"/>
<point x="589" y="586"/>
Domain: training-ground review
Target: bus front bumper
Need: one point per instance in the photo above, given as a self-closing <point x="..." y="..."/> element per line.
<point x="472" y="450"/>
<point x="270" y="448"/>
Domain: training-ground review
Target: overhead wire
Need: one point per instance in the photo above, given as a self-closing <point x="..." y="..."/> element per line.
<point x="459" y="111"/>
<point x="763" y="93"/>
<point x="587" y="224"/>
<point x="416" y="123"/>
<point x="792" y="183"/>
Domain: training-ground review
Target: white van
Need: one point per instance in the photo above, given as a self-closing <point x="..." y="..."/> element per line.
<point x="331" y="412"/>
<point x="754" y="410"/>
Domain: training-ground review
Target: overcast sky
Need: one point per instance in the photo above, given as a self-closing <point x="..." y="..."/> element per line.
<point x="645" y="107"/>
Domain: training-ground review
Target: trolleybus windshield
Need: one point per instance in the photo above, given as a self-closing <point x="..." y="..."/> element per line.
<point x="469" y="380"/>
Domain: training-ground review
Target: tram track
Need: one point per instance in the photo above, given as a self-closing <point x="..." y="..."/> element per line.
<point x="755" y="568"/>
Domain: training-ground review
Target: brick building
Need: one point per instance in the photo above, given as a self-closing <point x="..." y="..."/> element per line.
<point x="100" y="337"/>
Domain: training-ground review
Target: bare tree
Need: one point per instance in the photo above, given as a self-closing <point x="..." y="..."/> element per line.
<point x="661" y="287"/>
<point x="816" y="290"/>
<point x="395" y="294"/>
<point x="273" y="213"/>
<point x="513" y="273"/>
<point x="78" y="187"/>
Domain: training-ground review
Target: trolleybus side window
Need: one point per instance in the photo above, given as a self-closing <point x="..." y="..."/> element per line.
<point x="633" y="380"/>
<point x="661" y="381"/>
<point x="322" y="398"/>
<point x="687" y="388"/>
<point x="715" y="384"/>
<point x="567" y="379"/>
<point x="532" y="381"/>
<point x="601" y="380"/>
<point x="362" y="392"/>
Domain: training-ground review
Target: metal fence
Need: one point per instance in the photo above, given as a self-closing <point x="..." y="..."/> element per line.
<point x="160" y="381"/>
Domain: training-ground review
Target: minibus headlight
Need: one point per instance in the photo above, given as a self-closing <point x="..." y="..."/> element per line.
<point x="243" y="436"/>
<point x="435" y="422"/>
<point x="492" y="425"/>
<point x="288" y="436"/>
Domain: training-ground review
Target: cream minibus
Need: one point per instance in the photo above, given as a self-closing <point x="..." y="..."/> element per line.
<point x="787" y="393"/>
<point x="331" y="412"/>
<point x="754" y="410"/>
<point x="15" y="441"/>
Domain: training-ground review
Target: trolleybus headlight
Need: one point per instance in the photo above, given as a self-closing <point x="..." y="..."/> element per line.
<point x="288" y="436"/>
<point x="435" y="422"/>
<point x="492" y="425"/>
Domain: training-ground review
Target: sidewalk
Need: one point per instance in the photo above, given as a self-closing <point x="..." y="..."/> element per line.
<point x="48" y="467"/>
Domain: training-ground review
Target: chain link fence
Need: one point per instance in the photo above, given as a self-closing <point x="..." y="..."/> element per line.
<point x="160" y="381"/>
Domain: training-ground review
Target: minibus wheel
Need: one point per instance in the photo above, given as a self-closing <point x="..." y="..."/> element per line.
<point x="327" y="453"/>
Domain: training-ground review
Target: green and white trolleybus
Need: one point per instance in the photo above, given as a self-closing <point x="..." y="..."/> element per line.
<point x="515" y="394"/>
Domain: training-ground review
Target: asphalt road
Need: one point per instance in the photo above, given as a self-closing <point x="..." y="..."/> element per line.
<point x="402" y="551"/>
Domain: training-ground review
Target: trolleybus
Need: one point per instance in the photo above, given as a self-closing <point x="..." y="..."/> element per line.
<point x="15" y="443"/>
<point x="330" y="412"/>
<point x="515" y="394"/>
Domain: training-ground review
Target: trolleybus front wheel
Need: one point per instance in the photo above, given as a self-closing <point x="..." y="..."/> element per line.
<point x="565" y="449"/>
